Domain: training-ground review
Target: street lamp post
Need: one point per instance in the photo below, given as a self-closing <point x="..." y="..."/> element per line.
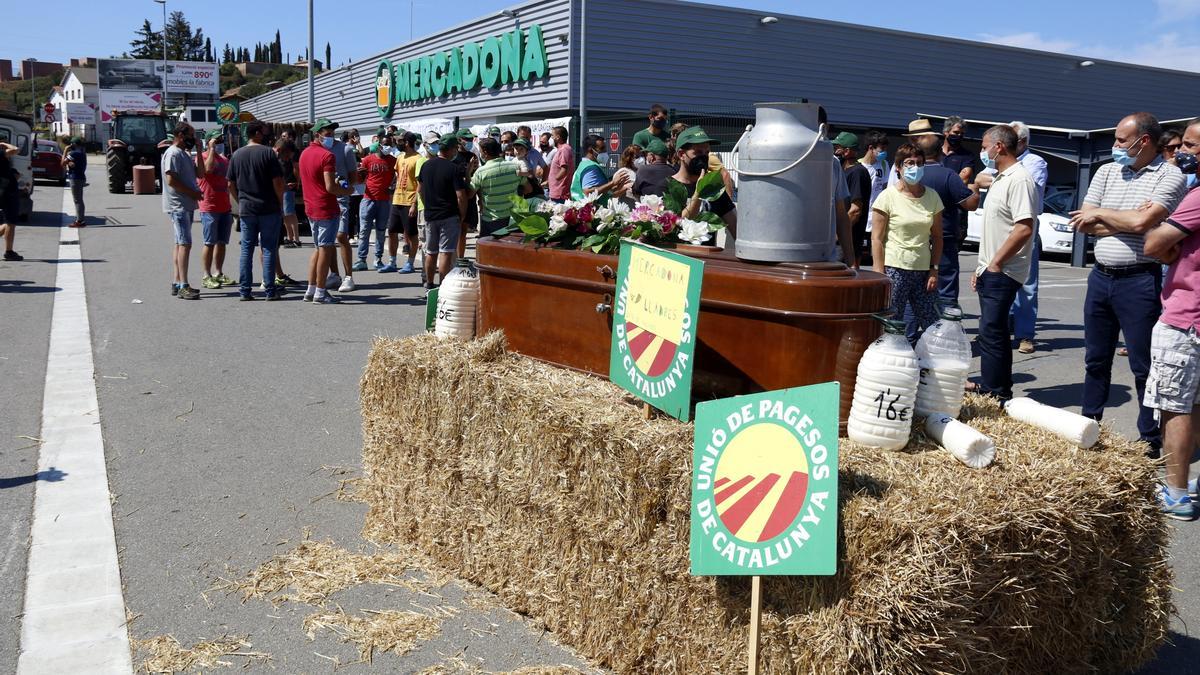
<point x="312" y="107"/>
<point x="164" y="40"/>
<point x="32" y="95"/>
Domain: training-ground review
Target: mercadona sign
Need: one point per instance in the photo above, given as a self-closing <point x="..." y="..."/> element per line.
<point x="516" y="56"/>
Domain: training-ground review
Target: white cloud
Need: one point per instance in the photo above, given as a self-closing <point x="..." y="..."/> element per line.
<point x="1170" y="51"/>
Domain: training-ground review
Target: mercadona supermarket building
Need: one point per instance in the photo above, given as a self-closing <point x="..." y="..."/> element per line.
<point x="599" y="64"/>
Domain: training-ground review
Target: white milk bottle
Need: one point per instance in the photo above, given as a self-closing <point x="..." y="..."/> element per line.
<point x="457" y="302"/>
<point x="885" y="391"/>
<point x="944" y="354"/>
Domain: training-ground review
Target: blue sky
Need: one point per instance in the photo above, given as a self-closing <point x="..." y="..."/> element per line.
<point x="1154" y="32"/>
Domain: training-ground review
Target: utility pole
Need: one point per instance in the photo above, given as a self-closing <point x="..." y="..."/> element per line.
<point x="312" y="106"/>
<point x="32" y="95"/>
<point x="164" y="38"/>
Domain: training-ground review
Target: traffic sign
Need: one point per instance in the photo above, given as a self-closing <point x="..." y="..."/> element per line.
<point x="614" y="142"/>
<point x="49" y="108"/>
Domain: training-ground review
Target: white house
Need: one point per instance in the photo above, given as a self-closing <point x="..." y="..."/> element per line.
<point x="58" y="101"/>
<point x="79" y="85"/>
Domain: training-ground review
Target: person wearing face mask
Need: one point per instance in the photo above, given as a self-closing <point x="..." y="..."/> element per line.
<point x="657" y="128"/>
<point x="627" y="173"/>
<point x="1126" y="197"/>
<point x="858" y="184"/>
<point x="562" y="167"/>
<point x="959" y="159"/>
<point x="179" y="199"/>
<point x="589" y="176"/>
<point x="257" y="184"/>
<point x="1004" y="257"/>
<point x="531" y="186"/>
<point x="546" y="147"/>
<point x="652" y="177"/>
<point x="506" y="146"/>
<point x="956" y="198"/>
<point x="404" y="219"/>
<point x="216" y="212"/>
<point x="535" y="159"/>
<point x="373" y="213"/>
<point x="906" y="241"/>
<point x="468" y="163"/>
<point x="692" y="147"/>
<point x="320" y="184"/>
<point x="874" y="159"/>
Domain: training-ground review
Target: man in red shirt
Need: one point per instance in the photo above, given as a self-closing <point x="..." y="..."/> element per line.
<point x="380" y="167"/>
<point x="216" y="215"/>
<point x="1173" y="386"/>
<point x="562" y="167"/>
<point x="318" y="180"/>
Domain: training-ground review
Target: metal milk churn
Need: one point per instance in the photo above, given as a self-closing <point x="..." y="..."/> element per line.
<point x="785" y="188"/>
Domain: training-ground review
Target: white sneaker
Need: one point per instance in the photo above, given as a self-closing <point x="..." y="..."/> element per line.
<point x="332" y="280"/>
<point x="347" y="285"/>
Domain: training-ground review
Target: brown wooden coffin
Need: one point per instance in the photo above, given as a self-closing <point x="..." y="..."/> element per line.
<point x="761" y="327"/>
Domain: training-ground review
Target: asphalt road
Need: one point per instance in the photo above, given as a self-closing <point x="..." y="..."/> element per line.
<point x="225" y="424"/>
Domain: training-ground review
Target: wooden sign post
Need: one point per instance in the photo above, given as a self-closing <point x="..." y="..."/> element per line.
<point x="755" y="619"/>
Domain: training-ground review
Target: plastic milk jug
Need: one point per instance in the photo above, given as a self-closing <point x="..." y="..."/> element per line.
<point x="944" y="354"/>
<point x="885" y="391"/>
<point x="457" y="303"/>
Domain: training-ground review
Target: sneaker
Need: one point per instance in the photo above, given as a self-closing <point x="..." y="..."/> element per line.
<point x="277" y="295"/>
<point x="13" y="256"/>
<point x="245" y="297"/>
<point x="285" y="280"/>
<point x="1026" y="346"/>
<point x="174" y="289"/>
<point x="390" y="267"/>
<point x="1193" y="489"/>
<point x="408" y="268"/>
<point x="226" y="281"/>
<point x="308" y="297"/>
<point x="360" y="266"/>
<point x="189" y="293"/>
<point x="77" y="224"/>
<point x="210" y="282"/>
<point x="354" y="241"/>
<point x="378" y="263"/>
<point x="1183" y="509"/>
<point x="347" y="285"/>
<point x="328" y="299"/>
<point x="332" y="280"/>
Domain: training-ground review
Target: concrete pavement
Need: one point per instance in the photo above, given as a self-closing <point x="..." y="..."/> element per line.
<point x="225" y="423"/>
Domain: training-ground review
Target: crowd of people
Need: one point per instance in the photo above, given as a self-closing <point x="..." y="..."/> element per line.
<point x="902" y="217"/>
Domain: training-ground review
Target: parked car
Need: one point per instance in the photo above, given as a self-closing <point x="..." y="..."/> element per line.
<point x="1054" y="223"/>
<point x="47" y="162"/>
<point x="15" y="129"/>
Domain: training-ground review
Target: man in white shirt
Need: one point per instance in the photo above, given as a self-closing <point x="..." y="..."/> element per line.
<point x="875" y="160"/>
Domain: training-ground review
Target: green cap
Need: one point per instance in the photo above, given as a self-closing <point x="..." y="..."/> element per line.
<point x="76" y="140"/>
<point x="462" y="133"/>
<point x="656" y="147"/>
<point x="522" y="142"/>
<point x="323" y="123"/>
<point x="493" y="131"/>
<point x="846" y="140"/>
<point x="450" y="141"/>
<point x="211" y="134"/>
<point x="693" y="135"/>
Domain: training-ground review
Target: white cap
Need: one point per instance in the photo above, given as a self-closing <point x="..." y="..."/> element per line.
<point x="432" y="137"/>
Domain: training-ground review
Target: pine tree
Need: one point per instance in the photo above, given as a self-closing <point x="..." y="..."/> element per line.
<point x="147" y="43"/>
<point x="277" y="49"/>
<point x="328" y="58"/>
<point x="183" y="44"/>
<point x="227" y="55"/>
<point x="208" y="51"/>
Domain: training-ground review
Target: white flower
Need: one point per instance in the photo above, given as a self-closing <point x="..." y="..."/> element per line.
<point x="546" y="207"/>
<point x="557" y="224"/>
<point x="558" y="209"/>
<point x="621" y="209"/>
<point x="653" y="201"/>
<point x="692" y="231"/>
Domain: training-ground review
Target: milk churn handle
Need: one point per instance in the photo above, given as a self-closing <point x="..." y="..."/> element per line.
<point x="733" y="154"/>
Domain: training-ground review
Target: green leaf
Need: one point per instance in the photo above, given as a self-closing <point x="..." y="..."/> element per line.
<point x="535" y="225"/>
<point x="714" y="221"/>
<point x="710" y="186"/>
<point x="675" y="196"/>
<point x="593" y="240"/>
<point x="520" y="206"/>
<point x="503" y="232"/>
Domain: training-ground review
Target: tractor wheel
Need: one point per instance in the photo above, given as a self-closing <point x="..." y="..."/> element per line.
<point x="118" y="172"/>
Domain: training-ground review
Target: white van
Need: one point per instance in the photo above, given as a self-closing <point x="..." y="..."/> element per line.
<point x="15" y="130"/>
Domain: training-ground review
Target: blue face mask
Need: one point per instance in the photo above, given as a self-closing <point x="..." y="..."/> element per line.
<point x="1191" y="180"/>
<point x="881" y="155"/>
<point x="327" y="141"/>
<point x="1123" y="157"/>
<point x="913" y="174"/>
<point x="988" y="162"/>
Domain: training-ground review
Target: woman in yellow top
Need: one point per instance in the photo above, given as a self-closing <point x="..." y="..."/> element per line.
<point x="906" y="241"/>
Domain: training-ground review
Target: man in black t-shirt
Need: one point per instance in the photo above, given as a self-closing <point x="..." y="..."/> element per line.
<point x="443" y="188"/>
<point x="858" y="181"/>
<point x="652" y="176"/>
<point x="256" y="183"/>
<point x="960" y="160"/>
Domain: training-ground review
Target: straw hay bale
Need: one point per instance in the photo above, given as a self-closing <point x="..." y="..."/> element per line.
<point x="387" y="631"/>
<point x="164" y="654"/>
<point x="548" y="488"/>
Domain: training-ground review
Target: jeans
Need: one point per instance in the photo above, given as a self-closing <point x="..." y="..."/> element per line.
<point x="259" y="230"/>
<point x="216" y="228"/>
<point x="1024" y="309"/>
<point x="181" y="221"/>
<point x="372" y="215"/>
<point x="996" y="292"/>
<point x="948" y="270"/>
<point x="77" y="194"/>
<point x="1120" y="304"/>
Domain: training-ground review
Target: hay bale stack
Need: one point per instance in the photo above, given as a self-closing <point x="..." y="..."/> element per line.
<point x="548" y="488"/>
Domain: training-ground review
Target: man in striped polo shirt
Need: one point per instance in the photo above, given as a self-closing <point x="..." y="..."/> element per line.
<point x="495" y="183"/>
<point x="1126" y="198"/>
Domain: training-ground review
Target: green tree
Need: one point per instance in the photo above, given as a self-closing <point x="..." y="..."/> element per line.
<point x="277" y="49"/>
<point x="146" y="43"/>
<point x="328" y="58"/>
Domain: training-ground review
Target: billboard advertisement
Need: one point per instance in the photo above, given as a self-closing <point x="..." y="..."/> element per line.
<point x="129" y="74"/>
<point x="127" y="100"/>
<point x="81" y="113"/>
<point x="191" y="77"/>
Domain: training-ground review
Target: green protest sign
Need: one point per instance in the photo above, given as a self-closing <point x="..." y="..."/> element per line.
<point x="654" y="326"/>
<point x="431" y="309"/>
<point x="227" y="112"/>
<point x="764" y="484"/>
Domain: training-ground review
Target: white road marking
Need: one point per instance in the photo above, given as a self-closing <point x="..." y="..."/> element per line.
<point x="74" y="619"/>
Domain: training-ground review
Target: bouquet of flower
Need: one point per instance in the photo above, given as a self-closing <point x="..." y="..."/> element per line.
<point x="601" y="227"/>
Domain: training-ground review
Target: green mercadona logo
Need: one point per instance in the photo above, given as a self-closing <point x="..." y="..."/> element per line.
<point x="516" y="56"/>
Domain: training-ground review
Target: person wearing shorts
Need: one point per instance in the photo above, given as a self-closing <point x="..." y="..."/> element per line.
<point x="443" y="189"/>
<point x="318" y="179"/>
<point x="179" y="198"/>
<point x="347" y="170"/>
<point x="216" y="209"/>
<point x="1173" y="384"/>
<point x="285" y="150"/>
<point x="403" y="218"/>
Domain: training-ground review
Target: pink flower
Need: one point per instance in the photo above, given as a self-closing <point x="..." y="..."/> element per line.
<point x="571" y="216"/>
<point x="668" y="227"/>
<point x="641" y="214"/>
<point x="667" y="219"/>
<point x="585" y="213"/>
<point x="583" y="227"/>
